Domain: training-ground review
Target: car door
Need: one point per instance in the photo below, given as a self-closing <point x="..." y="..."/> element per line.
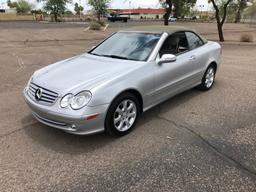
<point x="196" y="46"/>
<point x="174" y="77"/>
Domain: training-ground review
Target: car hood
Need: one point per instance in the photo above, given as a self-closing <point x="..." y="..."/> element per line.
<point x="82" y="72"/>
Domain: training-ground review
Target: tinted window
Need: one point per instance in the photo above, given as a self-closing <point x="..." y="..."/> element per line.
<point x="174" y="44"/>
<point x="193" y="40"/>
<point x="128" y="45"/>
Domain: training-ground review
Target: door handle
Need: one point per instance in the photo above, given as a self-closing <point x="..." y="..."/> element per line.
<point x="192" y="57"/>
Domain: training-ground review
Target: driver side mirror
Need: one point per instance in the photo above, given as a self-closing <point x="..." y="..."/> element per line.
<point x="167" y="58"/>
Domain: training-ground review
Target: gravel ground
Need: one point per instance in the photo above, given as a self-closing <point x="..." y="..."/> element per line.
<point x="196" y="141"/>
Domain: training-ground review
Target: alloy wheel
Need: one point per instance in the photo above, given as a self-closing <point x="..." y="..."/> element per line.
<point x="209" y="77"/>
<point x="125" y="115"/>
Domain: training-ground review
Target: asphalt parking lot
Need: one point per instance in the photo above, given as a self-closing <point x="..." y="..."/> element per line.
<point x="196" y="141"/>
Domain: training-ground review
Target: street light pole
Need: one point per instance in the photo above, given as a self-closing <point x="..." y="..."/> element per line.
<point x="130" y="9"/>
<point x="80" y="9"/>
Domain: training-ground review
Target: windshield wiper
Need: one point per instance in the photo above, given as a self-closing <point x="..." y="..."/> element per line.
<point x="95" y="54"/>
<point x="116" y="57"/>
<point x="113" y="56"/>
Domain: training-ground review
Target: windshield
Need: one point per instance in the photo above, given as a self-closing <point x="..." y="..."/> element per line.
<point x="128" y="45"/>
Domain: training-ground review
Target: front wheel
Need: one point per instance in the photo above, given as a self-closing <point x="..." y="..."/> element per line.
<point x="122" y="115"/>
<point x="208" y="78"/>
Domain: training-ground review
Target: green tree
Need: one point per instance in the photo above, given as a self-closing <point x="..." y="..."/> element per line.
<point x="12" y="4"/>
<point x="218" y="6"/>
<point x="21" y="6"/>
<point x="181" y="8"/>
<point x="78" y="9"/>
<point x="251" y="11"/>
<point x="99" y="6"/>
<point x="56" y="7"/>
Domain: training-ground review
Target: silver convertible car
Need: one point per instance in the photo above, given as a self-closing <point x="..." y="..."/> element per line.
<point x="109" y="87"/>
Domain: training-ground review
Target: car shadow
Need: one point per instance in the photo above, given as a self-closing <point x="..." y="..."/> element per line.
<point x="62" y="142"/>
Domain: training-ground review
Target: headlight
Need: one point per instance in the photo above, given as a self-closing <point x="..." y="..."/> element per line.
<point x="30" y="80"/>
<point x="76" y="102"/>
<point x="66" y="100"/>
<point x="27" y="86"/>
<point x="80" y="100"/>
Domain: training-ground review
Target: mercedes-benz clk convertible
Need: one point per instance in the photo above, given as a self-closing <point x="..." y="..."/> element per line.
<point x="109" y="87"/>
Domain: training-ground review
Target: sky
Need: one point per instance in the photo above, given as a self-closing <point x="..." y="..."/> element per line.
<point x="147" y="3"/>
<point x="201" y="4"/>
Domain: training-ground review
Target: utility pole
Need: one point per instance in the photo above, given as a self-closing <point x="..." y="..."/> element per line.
<point x="80" y="14"/>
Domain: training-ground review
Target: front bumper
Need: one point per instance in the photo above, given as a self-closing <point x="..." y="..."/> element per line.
<point x="71" y="121"/>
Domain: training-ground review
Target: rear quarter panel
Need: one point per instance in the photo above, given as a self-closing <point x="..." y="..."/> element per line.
<point x="213" y="53"/>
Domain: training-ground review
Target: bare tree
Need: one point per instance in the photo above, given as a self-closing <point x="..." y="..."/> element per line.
<point x="241" y="6"/>
<point x="220" y="19"/>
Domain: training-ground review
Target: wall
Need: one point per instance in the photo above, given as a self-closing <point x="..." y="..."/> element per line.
<point x="14" y="17"/>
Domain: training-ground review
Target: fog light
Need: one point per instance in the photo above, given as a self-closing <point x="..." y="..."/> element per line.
<point x="73" y="127"/>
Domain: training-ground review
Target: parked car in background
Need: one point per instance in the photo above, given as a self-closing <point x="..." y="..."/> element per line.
<point x="195" y="18"/>
<point x="108" y="88"/>
<point x="172" y="19"/>
<point x="187" y="18"/>
<point x="116" y="17"/>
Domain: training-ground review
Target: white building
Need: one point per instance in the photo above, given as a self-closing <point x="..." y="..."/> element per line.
<point x="3" y="5"/>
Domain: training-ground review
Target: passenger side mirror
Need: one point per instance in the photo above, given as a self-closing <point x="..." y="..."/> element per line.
<point x="167" y="58"/>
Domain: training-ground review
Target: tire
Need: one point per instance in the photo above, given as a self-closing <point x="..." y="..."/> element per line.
<point x="208" y="78"/>
<point x="120" y="120"/>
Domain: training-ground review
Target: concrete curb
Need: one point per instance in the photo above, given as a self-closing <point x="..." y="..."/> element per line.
<point x="237" y="43"/>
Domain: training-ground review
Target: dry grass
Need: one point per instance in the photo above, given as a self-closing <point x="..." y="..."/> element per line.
<point x="246" y="37"/>
<point x="95" y="26"/>
<point x="102" y="23"/>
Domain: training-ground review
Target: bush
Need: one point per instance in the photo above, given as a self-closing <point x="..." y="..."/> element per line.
<point x="246" y="37"/>
<point x="88" y="19"/>
<point x="38" y="11"/>
<point x="68" y="13"/>
<point x="102" y="23"/>
<point x="95" y="26"/>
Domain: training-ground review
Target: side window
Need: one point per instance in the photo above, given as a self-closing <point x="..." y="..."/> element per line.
<point x="193" y="40"/>
<point x="175" y="44"/>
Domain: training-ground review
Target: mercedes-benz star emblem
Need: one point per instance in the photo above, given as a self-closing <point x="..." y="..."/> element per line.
<point x="38" y="93"/>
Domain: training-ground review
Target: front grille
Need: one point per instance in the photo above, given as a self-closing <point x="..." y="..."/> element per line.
<point x="47" y="96"/>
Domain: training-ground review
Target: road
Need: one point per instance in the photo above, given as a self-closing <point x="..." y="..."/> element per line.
<point x="196" y="141"/>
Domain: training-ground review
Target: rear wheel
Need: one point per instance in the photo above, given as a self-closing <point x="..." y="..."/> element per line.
<point x="122" y="115"/>
<point x="208" y="78"/>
